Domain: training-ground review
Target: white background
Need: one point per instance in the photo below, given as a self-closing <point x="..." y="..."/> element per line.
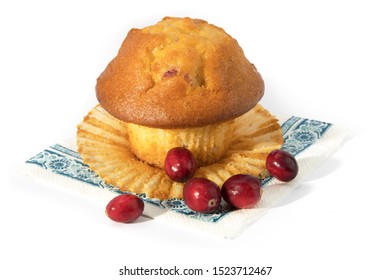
<point x="325" y="60"/>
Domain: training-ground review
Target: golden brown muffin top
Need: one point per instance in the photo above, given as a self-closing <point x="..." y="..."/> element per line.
<point x="179" y="73"/>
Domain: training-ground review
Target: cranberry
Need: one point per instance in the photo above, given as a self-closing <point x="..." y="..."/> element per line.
<point x="180" y="164"/>
<point x="125" y="208"/>
<point x="282" y="165"/>
<point x="242" y="191"/>
<point x="170" y="73"/>
<point x="202" y="195"/>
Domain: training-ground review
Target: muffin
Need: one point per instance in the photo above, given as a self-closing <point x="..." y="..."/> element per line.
<point x="181" y="82"/>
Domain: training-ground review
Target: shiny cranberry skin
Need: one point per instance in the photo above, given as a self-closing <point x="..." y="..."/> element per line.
<point x="125" y="208"/>
<point x="202" y="195"/>
<point x="282" y="165"/>
<point x="180" y="164"/>
<point x="242" y="191"/>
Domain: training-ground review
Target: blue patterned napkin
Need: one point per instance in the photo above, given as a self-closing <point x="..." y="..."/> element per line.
<point x="310" y="141"/>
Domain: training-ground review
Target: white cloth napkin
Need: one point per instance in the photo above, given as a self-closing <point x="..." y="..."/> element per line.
<point x="310" y="141"/>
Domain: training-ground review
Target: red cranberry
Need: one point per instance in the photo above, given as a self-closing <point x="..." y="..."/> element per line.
<point x="202" y="195"/>
<point x="170" y="73"/>
<point x="125" y="208"/>
<point x="180" y="164"/>
<point x="242" y="191"/>
<point x="282" y="165"/>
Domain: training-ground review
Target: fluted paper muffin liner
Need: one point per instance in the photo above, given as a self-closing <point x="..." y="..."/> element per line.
<point x="103" y="143"/>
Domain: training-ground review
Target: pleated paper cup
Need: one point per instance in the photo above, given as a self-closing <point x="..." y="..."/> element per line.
<point x="233" y="147"/>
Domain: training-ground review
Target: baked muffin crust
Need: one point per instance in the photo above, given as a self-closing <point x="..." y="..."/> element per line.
<point x="179" y="73"/>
